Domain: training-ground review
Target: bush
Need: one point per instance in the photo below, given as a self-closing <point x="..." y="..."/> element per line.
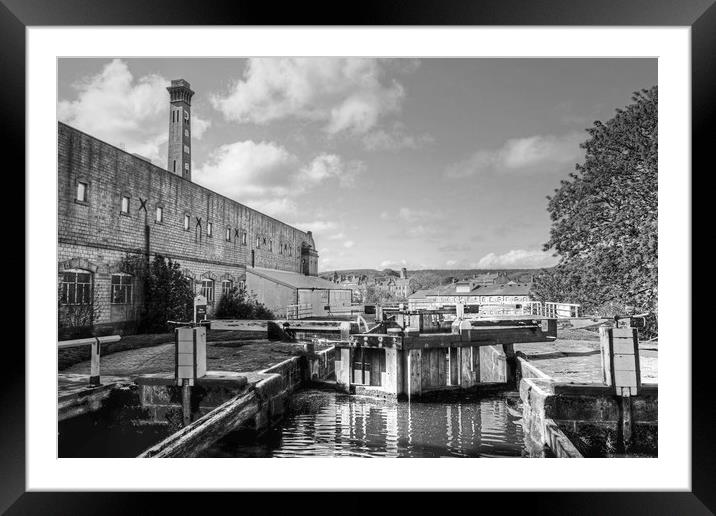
<point x="236" y="303"/>
<point x="168" y="296"/>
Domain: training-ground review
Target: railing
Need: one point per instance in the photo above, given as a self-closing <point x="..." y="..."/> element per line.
<point x="94" y="343"/>
<point x="351" y="309"/>
<point x="299" y="311"/>
<point x="561" y="310"/>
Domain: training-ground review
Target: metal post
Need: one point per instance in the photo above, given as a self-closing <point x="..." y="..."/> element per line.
<point x="94" y="379"/>
<point x="186" y="401"/>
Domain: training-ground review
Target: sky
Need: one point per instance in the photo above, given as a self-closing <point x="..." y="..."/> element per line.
<point x="417" y="163"/>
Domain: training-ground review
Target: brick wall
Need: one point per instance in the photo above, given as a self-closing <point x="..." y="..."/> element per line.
<point x="95" y="231"/>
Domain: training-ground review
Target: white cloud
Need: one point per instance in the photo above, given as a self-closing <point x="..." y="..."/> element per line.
<point x="451" y="263"/>
<point x="397" y="264"/>
<point x="326" y="166"/>
<point x="516" y="259"/>
<point x="412" y="215"/>
<point x="343" y="94"/>
<point x="393" y="263"/>
<point x="348" y="244"/>
<point x="521" y="155"/>
<point x="317" y="226"/>
<point x="395" y="139"/>
<point x="266" y="174"/>
<point x="274" y="207"/>
<point x="337" y="236"/>
<point x="248" y="169"/>
<point x="114" y="106"/>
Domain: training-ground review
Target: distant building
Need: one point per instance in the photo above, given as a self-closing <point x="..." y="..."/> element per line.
<point x="491" y="299"/>
<point x="279" y="289"/>
<point x="398" y="287"/>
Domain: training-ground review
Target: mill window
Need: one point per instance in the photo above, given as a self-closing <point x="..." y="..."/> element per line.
<point x="125" y="204"/>
<point x="159" y="217"/>
<point x="228" y="234"/>
<point x="207" y="290"/>
<point x="76" y="288"/>
<point x="226" y="286"/>
<point x="209" y="229"/>
<point x="186" y="222"/>
<point x="122" y="289"/>
<point x="81" y="192"/>
<point x="243" y="238"/>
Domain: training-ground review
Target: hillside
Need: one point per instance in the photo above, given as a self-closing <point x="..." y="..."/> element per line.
<point x="446" y="275"/>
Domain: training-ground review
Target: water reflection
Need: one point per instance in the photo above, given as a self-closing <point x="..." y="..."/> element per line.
<point x="330" y="424"/>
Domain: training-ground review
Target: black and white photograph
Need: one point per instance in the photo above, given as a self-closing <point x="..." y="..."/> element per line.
<point x="357" y="257"/>
<point x="428" y="251"/>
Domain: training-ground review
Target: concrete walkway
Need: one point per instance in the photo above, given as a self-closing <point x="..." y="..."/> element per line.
<point x="255" y="355"/>
<point x="579" y="361"/>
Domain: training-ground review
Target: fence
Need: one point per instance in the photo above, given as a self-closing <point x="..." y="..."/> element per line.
<point x="352" y="309"/>
<point x="299" y="311"/>
<point x="95" y="343"/>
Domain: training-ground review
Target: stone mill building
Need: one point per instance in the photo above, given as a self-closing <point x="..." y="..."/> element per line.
<point x="114" y="205"/>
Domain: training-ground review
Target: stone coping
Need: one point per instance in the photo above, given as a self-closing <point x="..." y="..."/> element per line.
<point x="212" y="378"/>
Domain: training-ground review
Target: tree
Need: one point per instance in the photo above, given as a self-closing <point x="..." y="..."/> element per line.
<point x="424" y="280"/>
<point x="604" y="217"/>
<point x="168" y="295"/>
<point x="236" y="303"/>
<point x="377" y="295"/>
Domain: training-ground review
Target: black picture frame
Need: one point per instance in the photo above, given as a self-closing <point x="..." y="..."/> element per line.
<point x="17" y="15"/>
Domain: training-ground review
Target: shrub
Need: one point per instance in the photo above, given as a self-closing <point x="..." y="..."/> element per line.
<point x="236" y="303"/>
<point x="168" y="296"/>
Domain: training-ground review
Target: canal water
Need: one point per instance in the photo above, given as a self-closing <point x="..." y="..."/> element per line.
<point x="324" y="423"/>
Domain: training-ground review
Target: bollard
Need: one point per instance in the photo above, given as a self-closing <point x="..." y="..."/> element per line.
<point x="94" y="362"/>
<point x="621" y="369"/>
<point x="186" y="402"/>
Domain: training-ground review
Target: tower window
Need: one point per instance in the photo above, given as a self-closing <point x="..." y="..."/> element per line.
<point x="186" y="149"/>
<point x="186" y="222"/>
<point x="125" y="204"/>
<point x="186" y="166"/>
<point x="209" y="229"/>
<point x="159" y="217"/>
<point x="186" y="115"/>
<point x="186" y="133"/>
<point x="174" y="169"/>
<point x="81" y="192"/>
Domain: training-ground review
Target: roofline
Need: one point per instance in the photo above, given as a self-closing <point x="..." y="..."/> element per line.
<point x="267" y="277"/>
<point x="182" y="178"/>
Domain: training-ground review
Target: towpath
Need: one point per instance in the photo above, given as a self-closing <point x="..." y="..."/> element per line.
<point x="248" y="355"/>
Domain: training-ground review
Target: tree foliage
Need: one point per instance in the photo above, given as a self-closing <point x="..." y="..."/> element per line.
<point x="168" y="295"/>
<point x="604" y="217"/>
<point x="375" y="294"/>
<point x="424" y="280"/>
<point x="236" y="303"/>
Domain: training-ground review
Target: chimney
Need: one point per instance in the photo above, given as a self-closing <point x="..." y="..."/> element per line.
<point x="179" y="147"/>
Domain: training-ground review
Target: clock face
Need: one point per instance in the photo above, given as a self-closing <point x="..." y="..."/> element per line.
<point x="186" y="115"/>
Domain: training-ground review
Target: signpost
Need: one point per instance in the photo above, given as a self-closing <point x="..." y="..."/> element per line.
<point x="199" y="309"/>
